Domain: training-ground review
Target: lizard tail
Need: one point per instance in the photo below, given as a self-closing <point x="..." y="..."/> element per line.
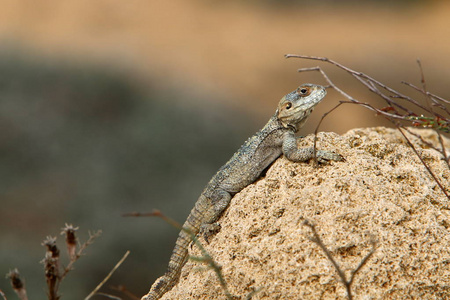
<point x="180" y="253"/>
<point x="178" y="259"/>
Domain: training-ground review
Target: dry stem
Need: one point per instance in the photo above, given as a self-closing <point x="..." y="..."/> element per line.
<point x="346" y="282"/>
<point x="205" y="258"/>
<point x="395" y="112"/>
<point x="92" y="237"/>
<point x="99" y="286"/>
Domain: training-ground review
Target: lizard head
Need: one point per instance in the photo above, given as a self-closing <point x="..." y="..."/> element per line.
<point x="295" y="108"/>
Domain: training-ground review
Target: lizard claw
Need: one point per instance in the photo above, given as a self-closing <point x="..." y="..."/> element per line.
<point x="208" y="230"/>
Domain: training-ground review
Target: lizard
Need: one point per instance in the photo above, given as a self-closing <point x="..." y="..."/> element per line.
<point x="277" y="137"/>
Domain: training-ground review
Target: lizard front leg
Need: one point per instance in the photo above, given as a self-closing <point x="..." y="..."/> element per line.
<point x="293" y="153"/>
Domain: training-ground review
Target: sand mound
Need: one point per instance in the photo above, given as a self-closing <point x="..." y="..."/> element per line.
<point x="382" y="189"/>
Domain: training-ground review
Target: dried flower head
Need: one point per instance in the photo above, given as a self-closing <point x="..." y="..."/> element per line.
<point x="71" y="240"/>
<point x="17" y="284"/>
<point x="50" y="244"/>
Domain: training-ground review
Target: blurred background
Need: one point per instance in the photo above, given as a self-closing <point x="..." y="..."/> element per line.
<point x="108" y="107"/>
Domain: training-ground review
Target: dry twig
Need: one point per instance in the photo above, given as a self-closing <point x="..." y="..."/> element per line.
<point x="77" y="255"/>
<point x="99" y="286"/>
<point x="395" y="112"/>
<point x="3" y="295"/>
<point x="123" y="289"/>
<point x="205" y="258"/>
<point x="346" y="282"/>
<point x="109" y="296"/>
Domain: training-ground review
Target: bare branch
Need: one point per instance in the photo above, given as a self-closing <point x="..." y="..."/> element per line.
<point x="252" y="293"/>
<point x="316" y="239"/>
<point x="423" y="162"/>
<point x="426" y="92"/>
<point x="99" y="286"/>
<point x="124" y="290"/>
<point x="317" y="130"/>
<point x="350" y="98"/>
<point x="438" y="122"/>
<point x="109" y="296"/>
<point x="205" y="258"/>
<point x="368" y="82"/>
<point x="373" y="242"/>
<point x="347" y="283"/>
<point x="155" y="213"/>
<point x="92" y="238"/>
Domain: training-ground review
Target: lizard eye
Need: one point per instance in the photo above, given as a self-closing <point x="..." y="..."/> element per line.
<point x="304" y="91"/>
<point x="288" y="105"/>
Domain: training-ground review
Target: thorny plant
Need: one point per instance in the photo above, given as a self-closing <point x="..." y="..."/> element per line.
<point x="346" y="282"/>
<point x="54" y="272"/>
<point x="205" y="258"/>
<point x="436" y="108"/>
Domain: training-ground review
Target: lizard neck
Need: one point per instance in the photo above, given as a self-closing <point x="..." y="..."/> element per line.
<point x="275" y="123"/>
<point x="272" y="133"/>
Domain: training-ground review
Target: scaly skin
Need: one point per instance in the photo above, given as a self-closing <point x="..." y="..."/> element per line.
<point x="258" y="152"/>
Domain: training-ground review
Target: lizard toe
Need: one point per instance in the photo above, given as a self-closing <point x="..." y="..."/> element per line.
<point x="326" y="156"/>
<point x="208" y="230"/>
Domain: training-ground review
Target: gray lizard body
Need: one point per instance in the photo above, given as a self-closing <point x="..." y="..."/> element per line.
<point x="258" y="152"/>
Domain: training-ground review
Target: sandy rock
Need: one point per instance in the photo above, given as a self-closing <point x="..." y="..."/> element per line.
<point x="382" y="189"/>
